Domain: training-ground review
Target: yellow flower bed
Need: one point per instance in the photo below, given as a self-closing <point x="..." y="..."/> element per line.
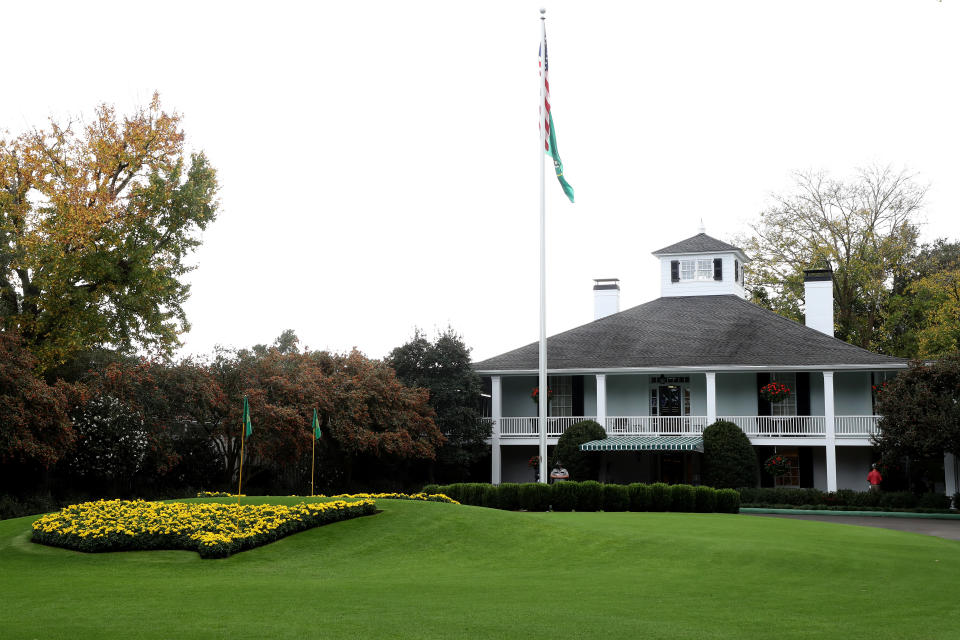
<point x="214" y="530"/>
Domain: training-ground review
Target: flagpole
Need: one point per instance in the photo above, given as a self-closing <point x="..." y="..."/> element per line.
<point x="243" y="428"/>
<point x="313" y="461"/>
<point x="543" y="393"/>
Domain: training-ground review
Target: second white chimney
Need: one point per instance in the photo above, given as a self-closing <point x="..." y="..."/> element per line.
<point x="818" y="299"/>
<point x="606" y="297"/>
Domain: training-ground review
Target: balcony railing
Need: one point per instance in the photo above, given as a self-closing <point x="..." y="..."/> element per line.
<point x="655" y="425"/>
<point x="527" y="427"/>
<point x="753" y="426"/>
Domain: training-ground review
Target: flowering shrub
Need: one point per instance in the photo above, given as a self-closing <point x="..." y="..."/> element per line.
<point x="214" y="530"/>
<point x="777" y="465"/>
<point x="217" y="494"/>
<point x="775" y="392"/>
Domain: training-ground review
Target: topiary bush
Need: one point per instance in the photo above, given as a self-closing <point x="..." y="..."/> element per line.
<point x="508" y="496"/>
<point x="582" y="465"/>
<point x="534" y="496"/>
<point x="490" y="497"/>
<point x="729" y="461"/>
<point x="431" y="489"/>
<point x="615" y="497"/>
<point x="565" y="496"/>
<point x="589" y="496"/>
<point x="728" y="501"/>
<point x="639" y="497"/>
<point x="659" y="496"/>
<point x="706" y="499"/>
<point x="683" y="497"/>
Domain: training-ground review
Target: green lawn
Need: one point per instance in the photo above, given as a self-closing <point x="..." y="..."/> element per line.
<point x="445" y="571"/>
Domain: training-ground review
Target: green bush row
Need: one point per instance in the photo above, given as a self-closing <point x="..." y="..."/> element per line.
<point x="814" y="498"/>
<point x="591" y="496"/>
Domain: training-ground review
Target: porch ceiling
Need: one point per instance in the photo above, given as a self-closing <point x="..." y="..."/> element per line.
<point x="645" y="443"/>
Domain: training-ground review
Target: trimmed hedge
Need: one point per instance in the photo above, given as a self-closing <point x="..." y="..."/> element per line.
<point x="843" y="499"/>
<point x="592" y="496"/>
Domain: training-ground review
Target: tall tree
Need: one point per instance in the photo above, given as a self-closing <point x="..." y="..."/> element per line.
<point x="96" y="220"/>
<point x="443" y="368"/>
<point x="865" y="228"/>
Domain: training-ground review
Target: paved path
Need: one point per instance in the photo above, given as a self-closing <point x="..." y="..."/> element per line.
<point x="949" y="529"/>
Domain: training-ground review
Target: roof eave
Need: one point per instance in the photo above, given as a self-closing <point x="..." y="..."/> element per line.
<point x="700" y="369"/>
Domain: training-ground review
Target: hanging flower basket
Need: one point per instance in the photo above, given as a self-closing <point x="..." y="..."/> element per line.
<point x="777" y="465"/>
<point x="878" y="389"/>
<point x="775" y="392"/>
<point x="535" y="394"/>
<point x="534" y="462"/>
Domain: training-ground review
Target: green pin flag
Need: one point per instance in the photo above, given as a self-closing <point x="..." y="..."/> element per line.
<point x="245" y="420"/>
<point x="316" y="426"/>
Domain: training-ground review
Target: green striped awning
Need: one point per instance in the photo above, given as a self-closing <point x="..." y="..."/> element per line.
<point x="645" y="443"/>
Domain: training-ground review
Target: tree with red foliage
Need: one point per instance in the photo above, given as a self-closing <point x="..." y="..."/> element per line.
<point x="34" y="425"/>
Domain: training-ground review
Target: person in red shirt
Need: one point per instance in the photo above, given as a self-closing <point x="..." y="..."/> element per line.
<point x="874" y="478"/>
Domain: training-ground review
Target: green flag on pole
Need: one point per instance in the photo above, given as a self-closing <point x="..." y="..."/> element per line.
<point x="245" y="419"/>
<point x="546" y="123"/>
<point x="316" y="426"/>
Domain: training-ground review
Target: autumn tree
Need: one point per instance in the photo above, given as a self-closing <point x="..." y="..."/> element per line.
<point x="442" y="366"/>
<point x="96" y="220"/>
<point x="920" y="411"/>
<point x="865" y="228"/>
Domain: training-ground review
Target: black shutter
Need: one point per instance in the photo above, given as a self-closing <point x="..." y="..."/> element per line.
<point x="674" y="271"/>
<point x="736" y="271"/>
<point x="763" y="406"/>
<point x="806" y="467"/>
<point x="718" y="268"/>
<point x="766" y="480"/>
<point x="577" y="395"/>
<point x="803" y="393"/>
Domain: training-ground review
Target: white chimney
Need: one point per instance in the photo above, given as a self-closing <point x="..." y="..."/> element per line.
<point x="606" y="297"/>
<point x="818" y="294"/>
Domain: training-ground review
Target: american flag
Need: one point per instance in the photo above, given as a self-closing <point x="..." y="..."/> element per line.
<point x="547" y="130"/>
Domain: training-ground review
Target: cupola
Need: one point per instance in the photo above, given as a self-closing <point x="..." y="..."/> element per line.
<point x="701" y="266"/>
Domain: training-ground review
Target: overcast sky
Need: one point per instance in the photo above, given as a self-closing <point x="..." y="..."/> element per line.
<point x="379" y="161"/>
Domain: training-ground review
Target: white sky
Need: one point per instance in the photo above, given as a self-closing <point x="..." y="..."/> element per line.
<point x="379" y="160"/>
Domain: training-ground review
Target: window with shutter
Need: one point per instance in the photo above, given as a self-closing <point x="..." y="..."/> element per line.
<point x="718" y="268"/>
<point x="674" y="271"/>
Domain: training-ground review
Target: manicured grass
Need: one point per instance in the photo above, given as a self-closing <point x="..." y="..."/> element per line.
<point x="430" y="570"/>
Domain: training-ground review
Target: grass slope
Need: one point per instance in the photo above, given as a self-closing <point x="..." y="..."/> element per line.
<point x="445" y="571"/>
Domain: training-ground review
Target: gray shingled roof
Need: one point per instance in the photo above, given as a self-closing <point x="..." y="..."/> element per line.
<point x="689" y="331"/>
<point x="700" y="243"/>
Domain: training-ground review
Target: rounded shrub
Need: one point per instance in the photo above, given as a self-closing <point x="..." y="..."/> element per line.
<point x="534" y="496"/>
<point x="729" y="461"/>
<point x="659" y="496"/>
<point x="615" y="497"/>
<point x="706" y="499"/>
<point x="582" y="465"/>
<point x="589" y="496"/>
<point x="430" y="489"/>
<point x="639" y="497"/>
<point x="508" y="496"/>
<point x="728" y="501"/>
<point x="565" y="496"/>
<point x="683" y="497"/>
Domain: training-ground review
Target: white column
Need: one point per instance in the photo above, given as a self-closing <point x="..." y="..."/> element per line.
<point x="711" y="397"/>
<point x="831" y="430"/>
<point x="496" y="412"/>
<point x="951" y="475"/>
<point x="602" y="399"/>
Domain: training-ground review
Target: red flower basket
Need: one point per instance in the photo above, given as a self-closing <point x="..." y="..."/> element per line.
<point x="535" y="394"/>
<point x="777" y="465"/>
<point x="775" y="392"/>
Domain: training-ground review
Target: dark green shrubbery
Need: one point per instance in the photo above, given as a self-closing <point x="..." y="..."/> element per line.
<point x="728" y="501"/>
<point x="639" y="497"/>
<point x="431" y="489"/>
<point x="683" y="497"/>
<point x="565" y="496"/>
<point x="842" y="499"/>
<point x="508" y="496"/>
<point x="934" y="501"/>
<point x="616" y="497"/>
<point x="582" y="465"/>
<point x="729" y="461"/>
<point x="706" y="499"/>
<point x="588" y="496"/>
<point x="534" y="496"/>
<point x="659" y="496"/>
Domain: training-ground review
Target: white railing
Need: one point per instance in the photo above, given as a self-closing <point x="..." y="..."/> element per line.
<point x="856" y="426"/>
<point x="527" y="427"/>
<point x="655" y="425"/>
<point x="765" y="426"/>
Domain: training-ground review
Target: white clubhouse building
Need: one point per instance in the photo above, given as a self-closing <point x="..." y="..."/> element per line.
<point x="655" y="375"/>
